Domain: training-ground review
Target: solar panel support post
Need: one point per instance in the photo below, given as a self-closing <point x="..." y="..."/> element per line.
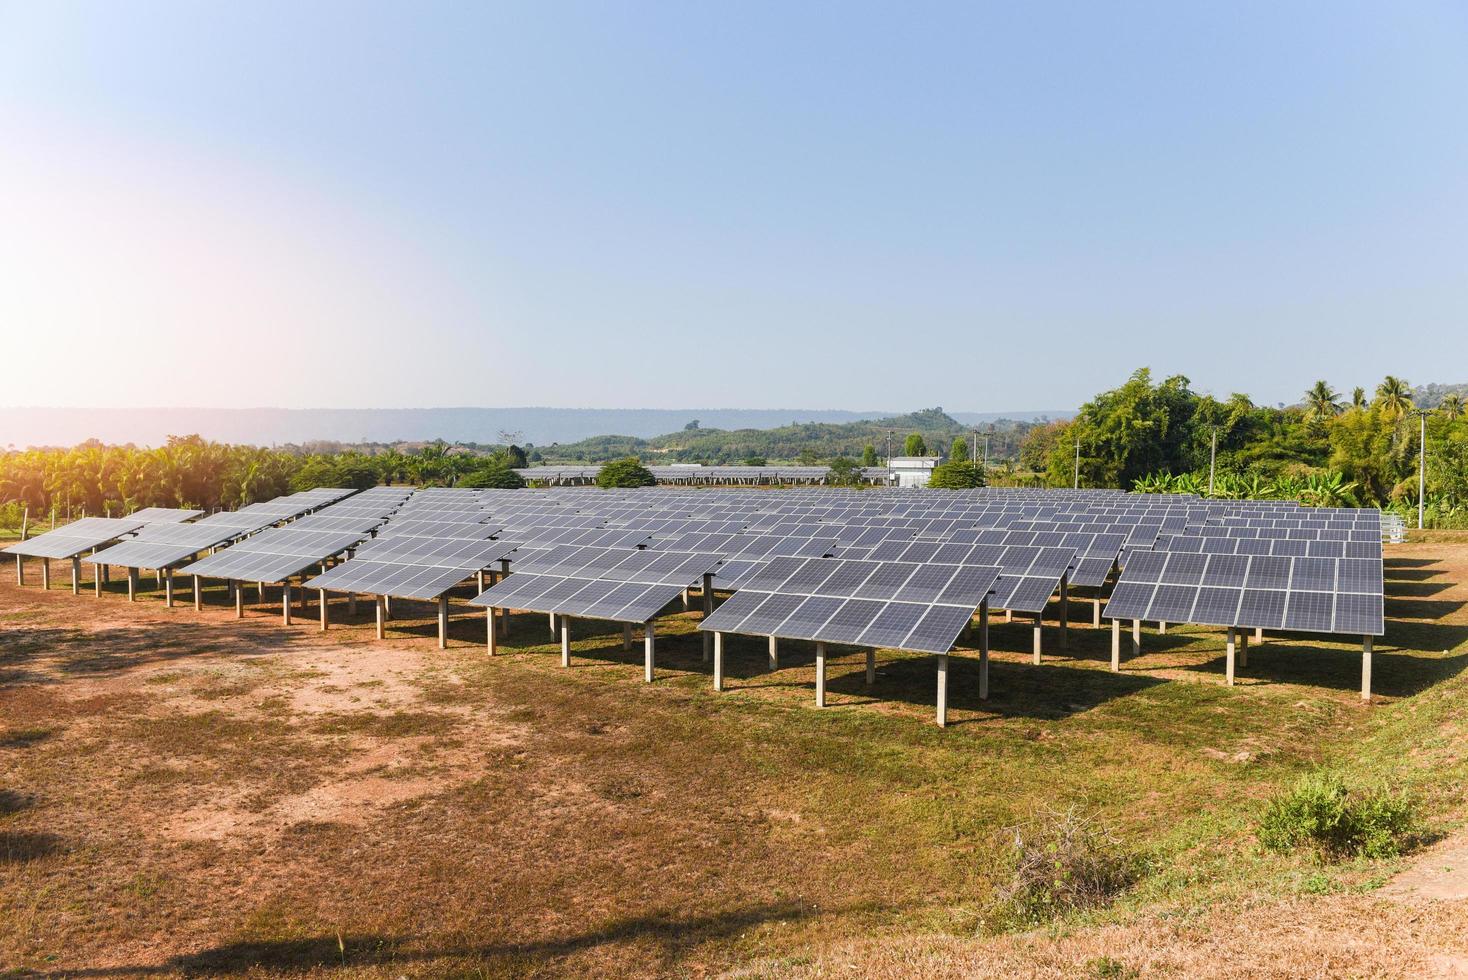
<point x="551" y="618"/>
<point x="1161" y="628"/>
<point x="1366" y="668"/>
<point x="942" y="690"/>
<point x="239" y="599"/>
<point x="774" y="653"/>
<point x="626" y="637"/>
<point x="687" y="599"/>
<point x="1039" y="620"/>
<point x="76" y="575"/>
<point x="260" y="590"/>
<point x="381" y="608"/>
<point x="325" y="610"/>
<point x="351" y="603"/>
<point x="45" y="573"/>
<point x="168" y="589"/>
<point x="1136" y="638"/>
<point x="198" y="593"/>
<point x="820" y="675"/>
<point x="1064" y="608"/>
<point x="97" y="579"/>
<point x="871" y="666"/>
<point x="649" y="650"/>
<point x="708" y="609"/>
<point x="1115" y="645"/>
<point x="443" y="621"/>
<point x="984" y="650"/>
<point x="718" y="640"/>
<point x="132" y="585"/>
<point x="1259" y="635"/>
<point x="565" y="641"/>
<point x="285" y="602"/>
<point x="1243" y="648"/>
<point x="19" y="569"/>
<point x="1096" y="613"/>
<point x="489" y="630"/>
<point x="1229" y="656"/>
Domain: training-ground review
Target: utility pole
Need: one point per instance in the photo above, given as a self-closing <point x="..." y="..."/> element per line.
<point x="889" y="448"/>
<point x="1422" y="470"/>
<point x="1078" y="467"/>
<point x="1212" y="459"/>
<point x="986" y="447"/>
<point x="973" y="453"/>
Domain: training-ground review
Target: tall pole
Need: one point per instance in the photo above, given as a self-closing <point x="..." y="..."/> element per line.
<point x="986" y="451"/>
<point x="889" y="448"/>
<point x="1422" y="471"/>
<point x="973" y="453"/>
<point x="1212" y="459"/>
<point x="1078" y="465"/>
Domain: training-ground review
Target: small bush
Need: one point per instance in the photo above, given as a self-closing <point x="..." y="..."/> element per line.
<point x="625" y="473"/>
<point x="1321" y="813"/>
<point x="1063" y="863"/>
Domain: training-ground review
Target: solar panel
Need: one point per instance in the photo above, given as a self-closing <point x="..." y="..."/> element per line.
<point x="75" y="538"/>
<point x="273" y="555"/>
<point x="426" y="573"/>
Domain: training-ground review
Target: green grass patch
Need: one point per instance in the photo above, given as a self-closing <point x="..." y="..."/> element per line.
<point x="1320" y="813"/>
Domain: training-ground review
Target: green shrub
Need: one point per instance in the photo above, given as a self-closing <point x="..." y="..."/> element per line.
<point x="1062" y="863"/>
<point x="1322" y="814"/>
<point x="492" y="474"/>
<point x="625" y="473"/>
<point x="958" y="476"/>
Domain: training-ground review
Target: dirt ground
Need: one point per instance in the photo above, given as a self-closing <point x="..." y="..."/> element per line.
<point x="183" y="793"/>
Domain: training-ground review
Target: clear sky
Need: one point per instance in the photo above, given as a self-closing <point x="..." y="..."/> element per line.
<point x="827" y="205"/>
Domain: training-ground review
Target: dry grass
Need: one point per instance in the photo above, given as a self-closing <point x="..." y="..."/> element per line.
<point x="181" y="793"/>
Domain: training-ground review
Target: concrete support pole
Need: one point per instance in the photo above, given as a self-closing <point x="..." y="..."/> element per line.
<point x="97" y="580"/>
<point x="1365" y="668"/>
<point x="158" y="577"/>
<point x="984" y="650"/>
<point x="325" y="611"/>
<point x="708" y="610"/>
<point x="649" y="650"/>
<point x="198" y="590"/>
<point x="942" y="689"/>
<point x="285" y="602"/>
<point x="351" y="603"/>
<point x="1064" y="608"/>
<point x="774" y="653"/>
<point x="443" y="622"/>
<point x="1243" y="649"/>
<point x="381" y="603"/>
<point x="1037" y="639"/>
<point x="45" y="573"/>
<point x="871" y="666"/>
<point x="1136" y="638"/>
<point x="1009" y="615"/>
<point x="260" y="588"/>
<point x="239" y="600"/>
<point x="1096" y="613"/>
<point x="479" y="580"/>
<point x="387" y="606"/>
<point x="687" y="599"/>
<point x="820" y="675"/>
<point x="132" y="585"/>
<point x="1161" y="628"/>
<point x="489" y="630"/>
<point x="1228" y="663"/>
<point x="76" y="576"/>
<point x="1259" y="635"/>
<point x="504" y="623"/>
<point x="168" y="589"/>
<point x="1115" y="645"/>
<point x="551" y="618"/>
<point x="565" y="641"/>
<point x="19" y="570"/>
<point x="106" y="575"/>
<point x="718" y="639"/>
<point x="626" y="637"/>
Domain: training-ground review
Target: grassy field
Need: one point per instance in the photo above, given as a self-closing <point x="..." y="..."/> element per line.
<point x="185" y="794"/>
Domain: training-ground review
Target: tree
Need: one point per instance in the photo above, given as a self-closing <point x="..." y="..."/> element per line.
<point x="915" y="446"/>
<point x="517" y="459"/>
<point x="1130" y="432"/>
<point x="869" y="455"/>
<point x="958" y="453"/>
<point x="755" y="461"/>
<point x="493" y="472"/>
<point x="1321" y="402"/>
<point x="691" y="426"/>
<point x="1358" y="398"/>
<point x="1451" y="406"/>
<point x="627" y="472"/>
<point x="1393" y="397"/>
<point x="958" y="475"/>
<point x="844" y="472"/>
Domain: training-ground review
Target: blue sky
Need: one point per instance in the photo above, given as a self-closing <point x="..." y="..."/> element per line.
<point x="987" y="207"/>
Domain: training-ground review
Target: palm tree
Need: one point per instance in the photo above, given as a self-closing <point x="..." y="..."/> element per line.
<point x="1358" y="398"/>
<point x="1321" y="402"/>
<point x="1393" y="397"/>
<point x="1452" y="406"/>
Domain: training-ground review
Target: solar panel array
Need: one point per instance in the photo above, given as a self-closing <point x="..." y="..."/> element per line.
<point x="623" y="585"/>
<point x="75" y="538"/>
<point x="163" y="545"/>
<point x="273" y="555"/>
<point x="902" y="605"/>
<point x="151" y="515"/>
<point x="411" y="567"/>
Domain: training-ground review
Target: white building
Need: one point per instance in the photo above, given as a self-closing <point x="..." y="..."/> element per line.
<point x="911" y="471"/>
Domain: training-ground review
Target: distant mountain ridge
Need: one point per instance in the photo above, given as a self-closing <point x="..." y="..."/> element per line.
<point x="23" y="427"/>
